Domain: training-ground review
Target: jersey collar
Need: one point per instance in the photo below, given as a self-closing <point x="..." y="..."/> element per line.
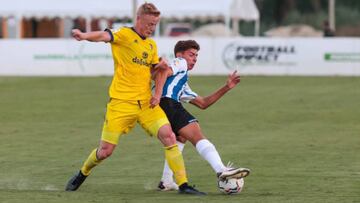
<point x="133" y="29"/>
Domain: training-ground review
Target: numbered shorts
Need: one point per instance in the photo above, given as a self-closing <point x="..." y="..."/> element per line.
<point x="121" y="116"/>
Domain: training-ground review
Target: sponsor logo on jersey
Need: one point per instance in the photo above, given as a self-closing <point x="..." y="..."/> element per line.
<point x="141" y="62"/>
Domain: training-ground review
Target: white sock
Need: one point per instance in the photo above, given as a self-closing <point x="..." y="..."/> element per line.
<point x="208" y="151"/>
<point x="167" y="175"/>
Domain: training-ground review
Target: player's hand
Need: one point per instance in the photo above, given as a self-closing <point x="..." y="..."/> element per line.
<point x="77" y="34"/>
<point x="154" y="101"/>
<point x="233" y="80"/>
<point x="163" y="64"/>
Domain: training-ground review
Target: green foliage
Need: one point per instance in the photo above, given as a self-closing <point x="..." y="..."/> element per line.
<point x="347" y="15"/>
<point x="355" y="4"/>
<point x="315" y="20"/>
<point x="310" y="12"/>
<point x="247" y="28"/>
<point x="299" y="135"/>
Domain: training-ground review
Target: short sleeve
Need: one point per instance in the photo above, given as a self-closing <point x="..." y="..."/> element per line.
<point x="178" y="65"/>
<point x="110" y="33"/>
<point x="187" y="94"/>
<point x="116" y="36"/>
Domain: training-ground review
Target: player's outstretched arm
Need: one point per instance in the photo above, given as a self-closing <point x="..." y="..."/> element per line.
<point x="204" y="102"/>
<point x="95" y="36"/>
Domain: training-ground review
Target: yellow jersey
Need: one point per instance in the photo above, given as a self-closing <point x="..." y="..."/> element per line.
<point x="133" y="57"/>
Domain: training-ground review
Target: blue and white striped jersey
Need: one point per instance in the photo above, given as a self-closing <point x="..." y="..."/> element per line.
<point x="176" y="86"/>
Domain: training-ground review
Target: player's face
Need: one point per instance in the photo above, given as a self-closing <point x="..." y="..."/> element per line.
<point x="146" y="24"/>
<point x="190" y="56"/>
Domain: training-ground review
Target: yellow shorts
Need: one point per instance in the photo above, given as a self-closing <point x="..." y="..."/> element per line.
<point x="121" y="116"/>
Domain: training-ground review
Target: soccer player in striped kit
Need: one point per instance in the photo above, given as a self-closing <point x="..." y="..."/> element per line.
<point x="186" y="126"/>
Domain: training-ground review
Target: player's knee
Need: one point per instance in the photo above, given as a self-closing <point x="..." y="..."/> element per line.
<point x="167" y="138"/>
<point x="166" y="135"/>
<point x="171" y="137"/>
<point x="104" y="153"/>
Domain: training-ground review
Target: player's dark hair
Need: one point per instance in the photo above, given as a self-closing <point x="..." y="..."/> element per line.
<point x="148" y="9"/>
<point x="184" y="45"/>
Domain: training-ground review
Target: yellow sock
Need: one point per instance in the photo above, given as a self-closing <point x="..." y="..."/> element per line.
<point x="90" y="163"/>
<point x="176" y="163"/>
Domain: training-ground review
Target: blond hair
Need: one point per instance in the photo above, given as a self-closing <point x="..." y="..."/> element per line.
<point x="148" y="9"/>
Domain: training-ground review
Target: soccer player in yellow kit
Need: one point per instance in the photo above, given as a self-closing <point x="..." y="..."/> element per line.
<point x="135" y="57"/>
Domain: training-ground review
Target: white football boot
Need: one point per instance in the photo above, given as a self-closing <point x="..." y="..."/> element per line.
<point x="232" y="172"/>
<point x="167" y="186"/>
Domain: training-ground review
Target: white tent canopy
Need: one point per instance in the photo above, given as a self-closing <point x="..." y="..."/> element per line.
<point x="66" y="8"/>
<point x="112" y="8"/>
<point x="244" y="9"/>
<point x="192" y="8"/>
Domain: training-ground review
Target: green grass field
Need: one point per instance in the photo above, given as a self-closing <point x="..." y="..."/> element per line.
<point x="299" y="135"/>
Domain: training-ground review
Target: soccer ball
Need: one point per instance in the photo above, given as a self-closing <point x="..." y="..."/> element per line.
<point x="231" y="186"/>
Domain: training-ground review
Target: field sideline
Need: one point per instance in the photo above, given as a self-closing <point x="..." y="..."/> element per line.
<point x="299" y="135"/>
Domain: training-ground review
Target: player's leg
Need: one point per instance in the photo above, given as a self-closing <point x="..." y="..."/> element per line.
<point x="96" y="156"/>
<point x="118" y="120"/>
<point x="155" y="122"/>
<point x="167" y="182"/>
<point x="171" y="109"/>
<point x="192" y="132"/>
<point x="204" y="147"/>
<point x="175" y="161"/>
<point x="104" y="151"/>
<point x="172" y="153"/>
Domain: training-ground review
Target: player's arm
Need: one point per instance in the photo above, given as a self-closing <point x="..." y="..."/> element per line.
<point x="159" y="74"/>
<point x="95" y="36"/>
<point x="205" y="102"/>
<point x="163" y="64"/>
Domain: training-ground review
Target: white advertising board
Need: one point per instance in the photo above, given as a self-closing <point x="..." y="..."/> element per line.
<point x="54" y="58"/>
<point x="293" y="56"/>
<point x="217" y="56"/>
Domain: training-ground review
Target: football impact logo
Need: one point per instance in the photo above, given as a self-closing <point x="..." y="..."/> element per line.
<point x="237" y="55"/>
